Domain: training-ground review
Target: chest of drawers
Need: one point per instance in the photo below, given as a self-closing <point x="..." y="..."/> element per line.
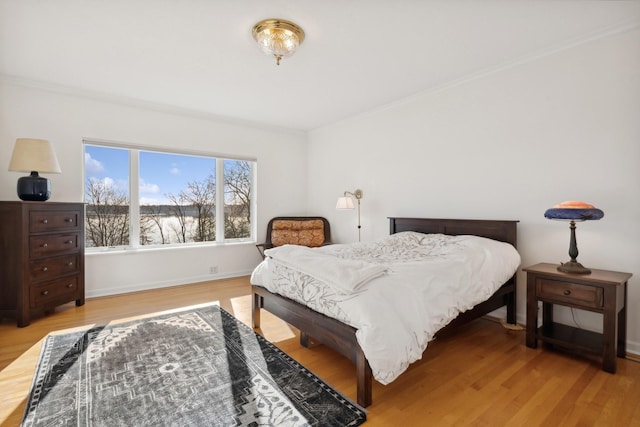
<point x="41" y="257"/>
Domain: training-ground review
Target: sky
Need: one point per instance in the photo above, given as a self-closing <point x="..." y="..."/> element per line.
<point x="160" y="173"/>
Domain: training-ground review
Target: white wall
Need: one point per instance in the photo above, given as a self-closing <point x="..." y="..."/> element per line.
<point x="505" y="145"/>
<point x="66" y="118"/>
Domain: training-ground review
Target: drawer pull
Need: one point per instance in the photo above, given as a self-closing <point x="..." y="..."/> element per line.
<point x="44" y="245"/>
<point x="70" y="263"/>
<point x="45" y="221"/>
<point x="70" y="285"/>
<point x="567" y="292"/>
<point x="69" y="241"/>
<point x="45" y="293"/>
<point x="68" y="220"/>
<point x="45" y="268"/>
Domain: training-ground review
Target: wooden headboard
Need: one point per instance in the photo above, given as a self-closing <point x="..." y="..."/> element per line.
<point x="504" y="231"/>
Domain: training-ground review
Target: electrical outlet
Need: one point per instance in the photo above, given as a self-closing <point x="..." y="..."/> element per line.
<point x="213" y="269"/>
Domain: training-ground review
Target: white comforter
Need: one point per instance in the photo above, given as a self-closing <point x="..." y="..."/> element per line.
<point x="426" y="281"/>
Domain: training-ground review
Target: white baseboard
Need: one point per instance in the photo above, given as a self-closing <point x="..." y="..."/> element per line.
<point x="95" y="293"/>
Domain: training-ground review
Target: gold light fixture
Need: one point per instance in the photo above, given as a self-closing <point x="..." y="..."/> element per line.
<point x="278" y="37"/>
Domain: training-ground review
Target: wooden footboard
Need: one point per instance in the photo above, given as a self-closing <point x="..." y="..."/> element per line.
<point x="342" y="337"/>
<point x="324" y="329"/>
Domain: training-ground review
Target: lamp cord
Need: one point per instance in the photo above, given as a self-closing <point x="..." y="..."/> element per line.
<point x="359" y="226"/>
<point x="573" y="315"/>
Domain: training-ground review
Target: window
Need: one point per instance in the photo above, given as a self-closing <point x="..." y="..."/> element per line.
<point x="137" y="197"/>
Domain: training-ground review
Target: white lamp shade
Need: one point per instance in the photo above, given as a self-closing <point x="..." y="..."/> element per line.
<point x="34" y="155"/>
<point x="345" y="203"/>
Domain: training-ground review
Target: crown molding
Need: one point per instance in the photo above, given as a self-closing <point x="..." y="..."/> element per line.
<point x="594" y="36"/>
<point x="133" y="102"/>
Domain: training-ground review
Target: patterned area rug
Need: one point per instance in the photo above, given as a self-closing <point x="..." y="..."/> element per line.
<point x="198" y="367"/>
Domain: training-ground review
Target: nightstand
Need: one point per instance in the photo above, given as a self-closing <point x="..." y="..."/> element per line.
<point x="601" y="291"/>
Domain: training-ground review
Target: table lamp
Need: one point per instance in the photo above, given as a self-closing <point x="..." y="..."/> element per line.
<point x="34" y="155"/>
<point x="573" y="211"/>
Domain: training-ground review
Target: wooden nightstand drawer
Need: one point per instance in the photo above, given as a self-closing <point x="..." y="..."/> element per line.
<point x="51" y="292"/>
<point x="52" y="244"/>
<point x="570" y="293"/>
<point x="50" y="268"/>
<point x="44" y="221"/>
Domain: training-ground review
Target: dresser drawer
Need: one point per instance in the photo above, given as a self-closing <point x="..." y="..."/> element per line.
<point x="44" y="221"/>
<point x="570" y="293"/>
<point x="50" y="268"/>
<point x="54" y="291"/>
<point x="47" y="245"/>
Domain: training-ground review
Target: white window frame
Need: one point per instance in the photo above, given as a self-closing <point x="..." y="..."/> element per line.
<point x="134" y="196"/>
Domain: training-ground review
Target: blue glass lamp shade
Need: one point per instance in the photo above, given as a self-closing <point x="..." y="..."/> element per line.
<point x="573" y="211"/>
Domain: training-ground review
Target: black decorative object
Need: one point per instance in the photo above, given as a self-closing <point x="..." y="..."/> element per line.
<point x="573" y="211"/>
<point x="34" y="188"/>
<point x="196" y="367"/>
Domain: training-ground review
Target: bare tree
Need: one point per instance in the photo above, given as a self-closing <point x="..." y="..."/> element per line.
<point x="178" y="209"/>
<point x="201" y="195"/>
<point x="152" y="217"/>
<point x="192" y="211"/>
<point x="237" y="188"/>
<point x="107" y="218"/>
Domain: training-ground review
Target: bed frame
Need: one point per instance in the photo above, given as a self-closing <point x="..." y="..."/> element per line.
<point x="342" y="337"/>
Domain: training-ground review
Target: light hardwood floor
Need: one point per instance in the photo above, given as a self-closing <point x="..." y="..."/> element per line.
<point x="482" y="375"/>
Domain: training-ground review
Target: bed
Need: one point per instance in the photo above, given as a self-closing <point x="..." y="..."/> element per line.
<point x="342" y="337"/>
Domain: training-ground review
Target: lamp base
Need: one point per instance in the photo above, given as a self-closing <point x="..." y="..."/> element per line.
<point x="573" y="267"/>
<point x="34" y="188"/>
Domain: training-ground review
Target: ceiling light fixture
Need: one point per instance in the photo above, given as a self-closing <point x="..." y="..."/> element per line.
<point x="278" y="37"/>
